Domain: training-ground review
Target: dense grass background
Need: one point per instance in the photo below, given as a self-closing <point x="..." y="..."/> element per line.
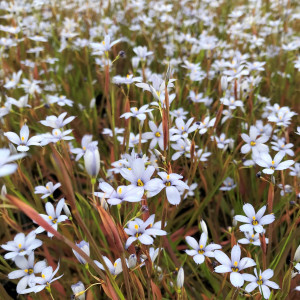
<point x="78" y="75"/>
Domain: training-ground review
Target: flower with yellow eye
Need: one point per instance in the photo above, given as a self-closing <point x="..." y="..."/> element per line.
<point x="233" y="265"/>
<point x="85" y="142"/>
<point x="46" y="190"/>
<point x="173" y="186"/>
<point x="122" y="193"/>
<point x="261" y="281"/>
<point x="182" y="129"/>
<point x="114" y="268"/>
<point x="142" y="231"/>
<point x="253" y="142"/>
<point x="156" y="135"/>
<point x="27" y="270"/>
<point x="137" y="113"/>
<point x="200" y="250"/>
<point x="265" y="160"/>
<point x="251" y="238"/>
<point x="254" y="221"/>
<point x="138" y="175"/>
<point x="44" y="281"/>
<point x="53" y="217"/>
<point x="22" y="141"/>
<point x="21" y="245"/>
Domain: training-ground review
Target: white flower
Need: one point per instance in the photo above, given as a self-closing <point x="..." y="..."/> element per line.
<point x="261" y="281"/>
<point x="233" y="265"/>
<point x="137" y="230"/>
<point x="265" y="160"/>
<point x="46" y="190"/>
<point x="253" y="143"/>
<point x="53" y="217"/>
<point x="173" y="186"/>
<point x="200" y="250"/>
<point x="27" y="271"/>
<point x="156" y="135"/>
<point x="231" y="102"/>
<point x="6" y="167"/>
<point x="282" y="146"/>
<point x="115" y="269"/>
<point x="22" y="141"/>
<point x="122" y="193"/>
<point x="13" y="82"/>
<point x="137" y="113"/>
<point x="251" y="238"/>
<point x="205" y="124"/>
<point x="57" y="122"/>
<point x="21" y="245"/>
<point x="44" y="281"/>
<point x="182" y="129"/>
<point x="254" y="220"/>
<point x="228" y="184"/>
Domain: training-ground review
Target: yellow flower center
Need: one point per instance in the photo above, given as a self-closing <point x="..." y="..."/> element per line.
<point x="127" y="76"/>
<point x="29" y="271"/>
<point x="20" y="246"/>
<point x="273" y="162"/>
<point x="235" y="268"/>
<point x="119" y="191"/>
<point x="103" y="43"/>
<point x="115" y="264"/>
<point x="252" y="143"/>
<point x="43" y="275"/>
<point x="84" y="148"/>
<point x="282" y="146"/>
<point x="22" y="138"/>
<point x="50" y="218"/>
<point x="140" y="182"/>
<point x="259" y="281"/>
<point x="47" y="187"/>
<point x="168" y="183"/>
<point x="254" y="222"/>
<point x="157" y="134"/>
<point x="61" y="96"/>
<point x="136" y="226"/>
<point x="135" y="109"/>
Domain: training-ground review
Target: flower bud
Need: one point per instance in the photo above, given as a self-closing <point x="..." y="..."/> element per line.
<point x="92" y="160"/>
<point x="224" y="83"/>
<point x="85" y="247"/>
<point x="132" y="261"/>
<point x="3" y="190"/>
<point x="204" y="227"/>
<point x="66" y="210"/>
<point x="180" y="278"/>
<point x="297" y="254"/>
<point x="78" y="288"/>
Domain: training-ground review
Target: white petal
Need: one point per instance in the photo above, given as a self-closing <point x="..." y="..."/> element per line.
<point x="236" y="279"/>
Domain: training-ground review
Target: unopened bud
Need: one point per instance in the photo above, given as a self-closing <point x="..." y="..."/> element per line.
<point x="78" y="290"/>
<point x="122" y="54"/>
<point x="85" y="247"/>
<point x="132" y="261"/>
<point x="204" y="227"/>
<point x="297" y="254"/>
<point x="3" y="191"/>
<point x="180" y="278"/>
<point x="224" y="83"/>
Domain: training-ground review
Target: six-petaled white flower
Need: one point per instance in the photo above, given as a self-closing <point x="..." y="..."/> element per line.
<point x="200" y="250"/>
<point x="254" y="221"/>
